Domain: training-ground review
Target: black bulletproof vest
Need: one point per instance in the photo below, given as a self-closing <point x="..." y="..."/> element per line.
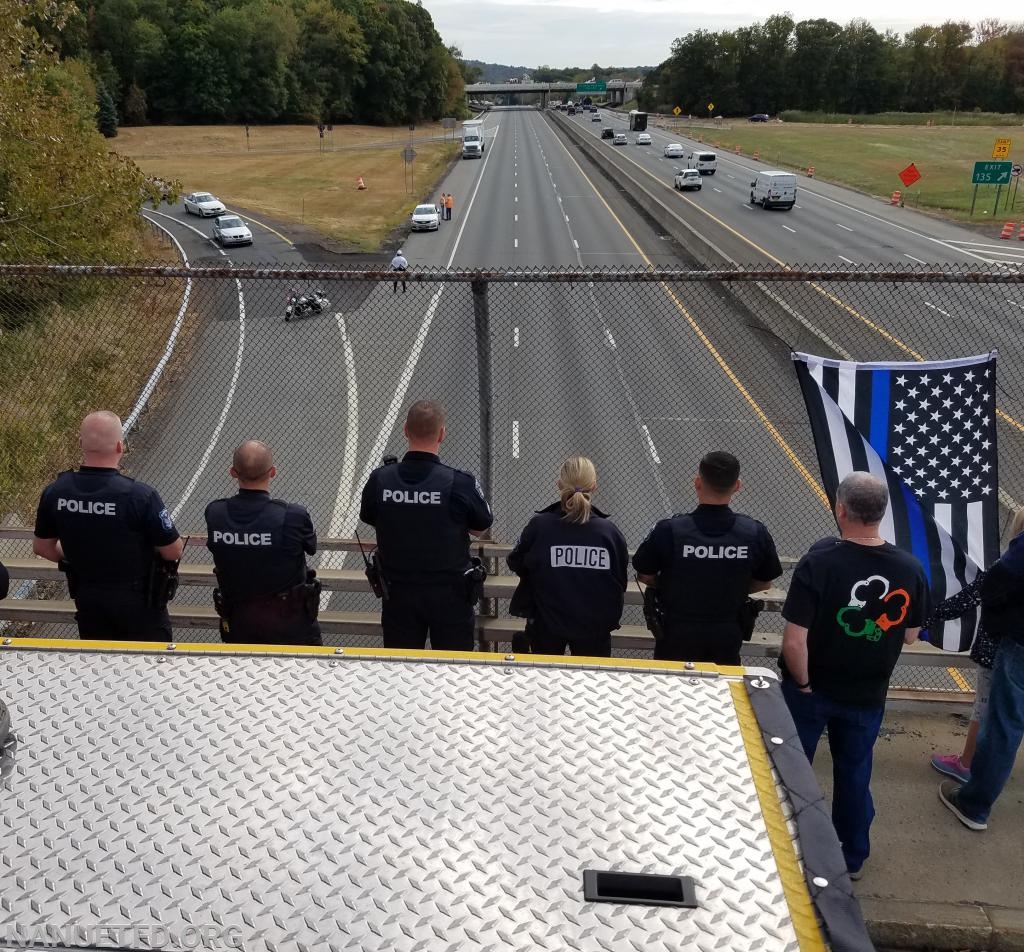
<point x="248" y="549"/>
<point x="99" y="530"/>
<point x="417" y="536"/>
<point x="710" y="574"/>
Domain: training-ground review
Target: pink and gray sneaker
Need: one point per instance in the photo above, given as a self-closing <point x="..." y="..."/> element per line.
<point x="949" y="764"/>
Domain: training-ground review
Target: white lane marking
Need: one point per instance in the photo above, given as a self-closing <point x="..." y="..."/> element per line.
<point x="225" y="410"/>
<point x="408" y="371"/>
<point x="716" y="190"/>
<point x="158" y="370"/>
<point x="1015" y="303"/>
<point x="515" y="242"/>
<point x="515" y="336"/>
<point x="346" y="482"/>
<point x="727" y="175"/>
<point x="928" y="304"/>
<point x="789" y="229"/>
<point x="576" y="243"/>
<point x="229" y="399"/>
<point x="912" y="258"/>
<point x="516" y="217"/>
<point x="611" y="340"/>
<point x="839" y="224"/>
<point x="516" y="199"/>
<point x="650" y="443"/>
<point x="797" y="206"/>
<point x="844" y="258"/>
<point x="515" y="439"/>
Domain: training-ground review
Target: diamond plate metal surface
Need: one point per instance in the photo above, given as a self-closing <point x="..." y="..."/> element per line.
<point x="377" y="805"/>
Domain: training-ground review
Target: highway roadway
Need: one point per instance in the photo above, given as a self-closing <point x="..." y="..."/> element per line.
<point x="640" y="377"/>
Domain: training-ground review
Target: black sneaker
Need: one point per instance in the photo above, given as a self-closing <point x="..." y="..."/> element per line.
<point x="948" y="790"/>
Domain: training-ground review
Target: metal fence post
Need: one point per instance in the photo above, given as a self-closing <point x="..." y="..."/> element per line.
<point x="482" y="327"/>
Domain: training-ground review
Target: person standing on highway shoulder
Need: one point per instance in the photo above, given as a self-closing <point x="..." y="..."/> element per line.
<point x="448" y="206"/>
<point x="442" y="206"/>
<point x="852" y="605"/>
<point x="704" y="565"/>
<point x="399" y="265"/>
<point x="113" y="538"/>
<point x="572" y="562"/>
<point x="424" y="513"/>
<point x="265" y="593"/>
<point x="1002" y="727"/>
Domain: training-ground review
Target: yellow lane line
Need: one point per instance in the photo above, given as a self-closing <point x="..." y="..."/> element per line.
<point x="273" y="231"/>
<point x="961" y="681"/>
<point x="718" y="358"/>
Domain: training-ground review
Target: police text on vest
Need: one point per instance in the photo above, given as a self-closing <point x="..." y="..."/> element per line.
<point x="415" y="497"/>
<point x="242" y="538"/>
<point x="715" y="551"/>
<point x="579" y="557"/>
<point x="87" y="507"/>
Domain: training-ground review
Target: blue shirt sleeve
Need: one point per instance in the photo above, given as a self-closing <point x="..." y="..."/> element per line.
<point x="654" y="554"/>
<point x="157" y="526"/>
<point x="469" y="503"/>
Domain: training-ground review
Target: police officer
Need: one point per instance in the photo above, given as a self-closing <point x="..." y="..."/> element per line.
<point x="112" y="536"/>
<point x="399" y="265"/>
<point x="424" y="512"/>
<point x="705" y="564"/>
<point x="265" y="593"/>
<point x="572" y="562"/>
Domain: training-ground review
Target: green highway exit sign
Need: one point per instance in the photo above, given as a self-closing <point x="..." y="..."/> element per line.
<point x="601" y="87"/>
<point x="992" y="173"/>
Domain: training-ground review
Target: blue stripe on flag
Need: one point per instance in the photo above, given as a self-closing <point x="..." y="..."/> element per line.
<point x="915" y="523"/>
<point x="879" y="437"/>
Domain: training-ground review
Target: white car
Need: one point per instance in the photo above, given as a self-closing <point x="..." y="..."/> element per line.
<point x="425" y="218"/>
<point x="204" y="205"/>
<point x="643" y="138"/>
<point x="674" y="151"/>
<point x="231" y="230"/>
<point x="687" y="179"/>
<point x="620" y="138"/>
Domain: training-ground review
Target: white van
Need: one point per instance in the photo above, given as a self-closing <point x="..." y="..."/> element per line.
<point x="773" y="189"/>
<point x="704" y="162"/>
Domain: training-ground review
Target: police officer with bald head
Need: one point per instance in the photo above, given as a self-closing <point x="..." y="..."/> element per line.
<point x="265" y="594"/>
<point x="112" y="536"/>
<point x="424" y="513"/>
<point x="705" y="564"/>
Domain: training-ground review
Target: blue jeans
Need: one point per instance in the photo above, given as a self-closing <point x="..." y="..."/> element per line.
<point x="1002" y="729"/>
<point x="852" y="732"/>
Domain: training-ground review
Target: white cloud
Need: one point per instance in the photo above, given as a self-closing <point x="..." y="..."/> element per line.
<point x="626" y="32"/>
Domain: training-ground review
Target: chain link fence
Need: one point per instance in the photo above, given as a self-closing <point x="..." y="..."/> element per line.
<point x="643" y="371"/>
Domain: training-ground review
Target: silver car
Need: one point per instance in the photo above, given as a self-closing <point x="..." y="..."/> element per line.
<point x="620" y="138"/>
<point x="425" y="218"/>
<point x="204" y="205"/>
<point x="231" y="230"/>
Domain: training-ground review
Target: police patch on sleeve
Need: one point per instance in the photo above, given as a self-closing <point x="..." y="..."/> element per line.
<point x="166" y="521"/>
<point x="480" y="493"/>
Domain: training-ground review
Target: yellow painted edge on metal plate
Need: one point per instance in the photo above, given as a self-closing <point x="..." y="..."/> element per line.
<point x="801" y="909"/>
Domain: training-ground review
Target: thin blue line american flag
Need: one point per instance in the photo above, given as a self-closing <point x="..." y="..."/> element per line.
<point x="929" y="430"/>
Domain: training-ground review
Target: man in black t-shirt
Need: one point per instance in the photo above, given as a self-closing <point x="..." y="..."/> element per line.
<point x="852" y="605"/>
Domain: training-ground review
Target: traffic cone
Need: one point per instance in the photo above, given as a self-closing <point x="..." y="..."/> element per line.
<point x="895" y="199"/>
<point x="756" y="156"/>
<point x="1021" y="235"/>
<point x="739" y="151"/>
<point x="810" y="171"/>
<point x="1008" y="230"/>
<point x="360" y="184"/>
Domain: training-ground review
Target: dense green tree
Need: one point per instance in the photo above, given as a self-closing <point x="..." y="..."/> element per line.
<point x="106" y="112"/>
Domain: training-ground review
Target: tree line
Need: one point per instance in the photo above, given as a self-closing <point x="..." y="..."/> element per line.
<point x="263" y="61"/>
<point x="818" y="65"/>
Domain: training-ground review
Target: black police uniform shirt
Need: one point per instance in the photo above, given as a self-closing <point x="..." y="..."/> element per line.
<point x="5" y="580"/>
<point x="576" y="572"/>
<point x="422" y="511"/>
<point x="710" y="579"/>
<point x="1002" y="594"/>
<point x="107" y="523"/>
<point x="259" y="544"/>
<point x="856" y="601"/>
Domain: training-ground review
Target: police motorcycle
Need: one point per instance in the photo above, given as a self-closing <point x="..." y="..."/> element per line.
<point x="301" y="305"/>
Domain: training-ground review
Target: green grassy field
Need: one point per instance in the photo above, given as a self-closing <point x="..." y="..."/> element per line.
<point x="281" y="172"/>
<point x="869" y="158"/>
<point x="906" y="118"/>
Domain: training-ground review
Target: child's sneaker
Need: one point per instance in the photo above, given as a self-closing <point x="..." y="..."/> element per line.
<point x="949" y="764"/>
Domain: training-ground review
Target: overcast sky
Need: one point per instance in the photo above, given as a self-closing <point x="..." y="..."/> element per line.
<point x="631" y="32"/>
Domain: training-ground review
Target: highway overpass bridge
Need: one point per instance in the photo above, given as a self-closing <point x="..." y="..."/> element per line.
<point x="617" y="91"/>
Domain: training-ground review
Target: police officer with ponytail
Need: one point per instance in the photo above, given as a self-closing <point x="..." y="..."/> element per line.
<point x="265" y="592"/>
<point x="113" y="538"/>
<point x="572" y="562"/>
<point x="424" y="513"/>
<point x="705" y="564"/>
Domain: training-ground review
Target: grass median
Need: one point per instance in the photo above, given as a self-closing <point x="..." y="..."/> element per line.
<point x="93" y="346"/>
<point x="290" y="174"/>
<point x="869" y="158"/>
